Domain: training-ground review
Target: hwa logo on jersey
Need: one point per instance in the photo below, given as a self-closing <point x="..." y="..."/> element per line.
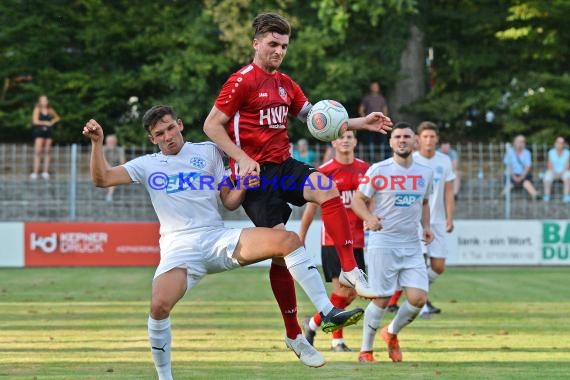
<point x="405" y="200"/>
<point x="346" y="197"/>
<point x="274" y="117"/>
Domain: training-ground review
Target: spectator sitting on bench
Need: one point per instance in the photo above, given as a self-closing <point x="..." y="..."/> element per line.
<point x="518" y="164"/>
<point x="558" y="169"/>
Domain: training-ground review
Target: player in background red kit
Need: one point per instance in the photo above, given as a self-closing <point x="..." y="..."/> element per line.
<point x="346" y="171"/>
<point x="249" y="122"/>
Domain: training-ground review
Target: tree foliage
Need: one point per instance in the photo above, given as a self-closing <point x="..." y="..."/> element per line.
<point x="505" y="71"/>
<point x="111" y="60"/>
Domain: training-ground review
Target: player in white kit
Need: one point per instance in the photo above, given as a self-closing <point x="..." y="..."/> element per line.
<point x="441" y="202"/>
<point x="185" y="181"/>
<point x="400" y="189"/>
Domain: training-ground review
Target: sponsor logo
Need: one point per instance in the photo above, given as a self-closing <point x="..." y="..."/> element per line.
<point x="406" y="200"/>
<point x="274" y="117"/>
<point x="263" y="95"/>
<point x="556" y="241"/>
<point x="47" y="244"/>
<point x="65" y="242"/>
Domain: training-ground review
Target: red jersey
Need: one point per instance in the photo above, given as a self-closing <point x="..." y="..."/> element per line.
<point x="346" y="177"/>
<point x="257" y="104"/>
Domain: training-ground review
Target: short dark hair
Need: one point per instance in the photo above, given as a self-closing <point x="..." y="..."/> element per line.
<point x="402" y="125"/>
<point x="270" y="22"/>
<point x="428" y="126"/>
<point x="155" y="114"/>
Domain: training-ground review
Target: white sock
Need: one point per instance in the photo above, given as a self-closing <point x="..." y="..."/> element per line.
<point x="305" y="272"/>
<point x="372" y="318"/>
<point x="405" y="315"/>
<point x="313" y="325"/>
<point x="160" y="337"/>
<point x="425" y="309"/>
<point x="336" y="342"/>
<point x="432" y="276"/>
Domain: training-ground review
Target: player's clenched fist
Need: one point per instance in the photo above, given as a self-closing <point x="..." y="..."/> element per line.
<point x="93" y="130"/>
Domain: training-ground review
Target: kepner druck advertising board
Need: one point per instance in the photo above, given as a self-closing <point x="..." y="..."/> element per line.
<point x="510" y="242"/>
<point x="91" y="244"/>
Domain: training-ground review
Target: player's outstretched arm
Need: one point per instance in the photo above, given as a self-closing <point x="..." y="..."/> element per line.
<point x="215" y="129"/>
<point x="307" y="219"/>
<point x="374" y="121"/>
<point x="102" y="174"/>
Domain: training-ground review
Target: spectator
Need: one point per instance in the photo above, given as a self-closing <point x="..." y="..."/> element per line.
<point x="44" y="119"/>
<point x="305" y="154"/>
<point x="558" y="169"/>
<point x="377" y="143"/>
<point x="115" y="156"/>
<point x="518" y="163"/>
<point x="446" y="148"/>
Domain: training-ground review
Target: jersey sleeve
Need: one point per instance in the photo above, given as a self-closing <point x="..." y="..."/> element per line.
<point x="299" y="100"/>
<point x="450" y="176"/>
<point x="136" y="170"/>
<point x="233" y="95"/>
<point x="220" y="172"/>
<point x="429" y="187"/>
<point x="367" y="188"/>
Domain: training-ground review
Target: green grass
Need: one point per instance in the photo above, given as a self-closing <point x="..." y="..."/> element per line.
<point x="90" y="323"/>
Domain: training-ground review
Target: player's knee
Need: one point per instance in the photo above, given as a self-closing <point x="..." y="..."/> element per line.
<point x="160" y="308"/>
<point x="417" y="300"/>
<point x="291" y="242"/>
<point x="439" y="269"/>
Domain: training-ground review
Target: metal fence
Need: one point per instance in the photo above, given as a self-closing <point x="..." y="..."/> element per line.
<point x="70" y="196"/>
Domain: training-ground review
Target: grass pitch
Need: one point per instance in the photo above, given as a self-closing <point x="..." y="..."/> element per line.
<point x="90" y="323"/>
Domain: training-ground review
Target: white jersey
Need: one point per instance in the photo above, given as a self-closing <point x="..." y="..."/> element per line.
<point x="398" y="193"/>
<point x="183" y="188"/>
<point x="442" y="173"/>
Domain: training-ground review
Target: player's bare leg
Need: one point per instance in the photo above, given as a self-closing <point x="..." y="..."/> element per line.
<point x="167" y="290"/>
<point x="335" y="219"/>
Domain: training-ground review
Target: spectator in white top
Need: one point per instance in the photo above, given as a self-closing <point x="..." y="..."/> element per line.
<point x="558" y="169"/>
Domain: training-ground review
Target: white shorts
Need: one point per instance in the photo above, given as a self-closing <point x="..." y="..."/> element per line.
<point x="199" y="253"/>
<point x="395" y="268"/>
<point x="438" y="247"/>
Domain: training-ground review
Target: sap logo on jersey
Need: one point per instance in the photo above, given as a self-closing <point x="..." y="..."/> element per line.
<point x="406" y="200"/>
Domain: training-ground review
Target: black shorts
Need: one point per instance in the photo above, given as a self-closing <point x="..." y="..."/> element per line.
<point x="281" y="184"/>
<point x="519" y="185"/>
<point x="331" y="262"/>
<point x="42" y="131"/>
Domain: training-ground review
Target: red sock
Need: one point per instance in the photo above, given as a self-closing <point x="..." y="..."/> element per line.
<point x="317" y="318"/>
<point x="283" y="288"/>
<point x="340" y="302"/>
<point x="337" y="225"/>
<point x="395" y="297"/>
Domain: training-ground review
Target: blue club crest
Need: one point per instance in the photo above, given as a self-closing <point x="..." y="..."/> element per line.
<point x="198" y="162"/>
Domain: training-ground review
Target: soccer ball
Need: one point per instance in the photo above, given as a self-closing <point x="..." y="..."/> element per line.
<point x="327" y="120"/>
